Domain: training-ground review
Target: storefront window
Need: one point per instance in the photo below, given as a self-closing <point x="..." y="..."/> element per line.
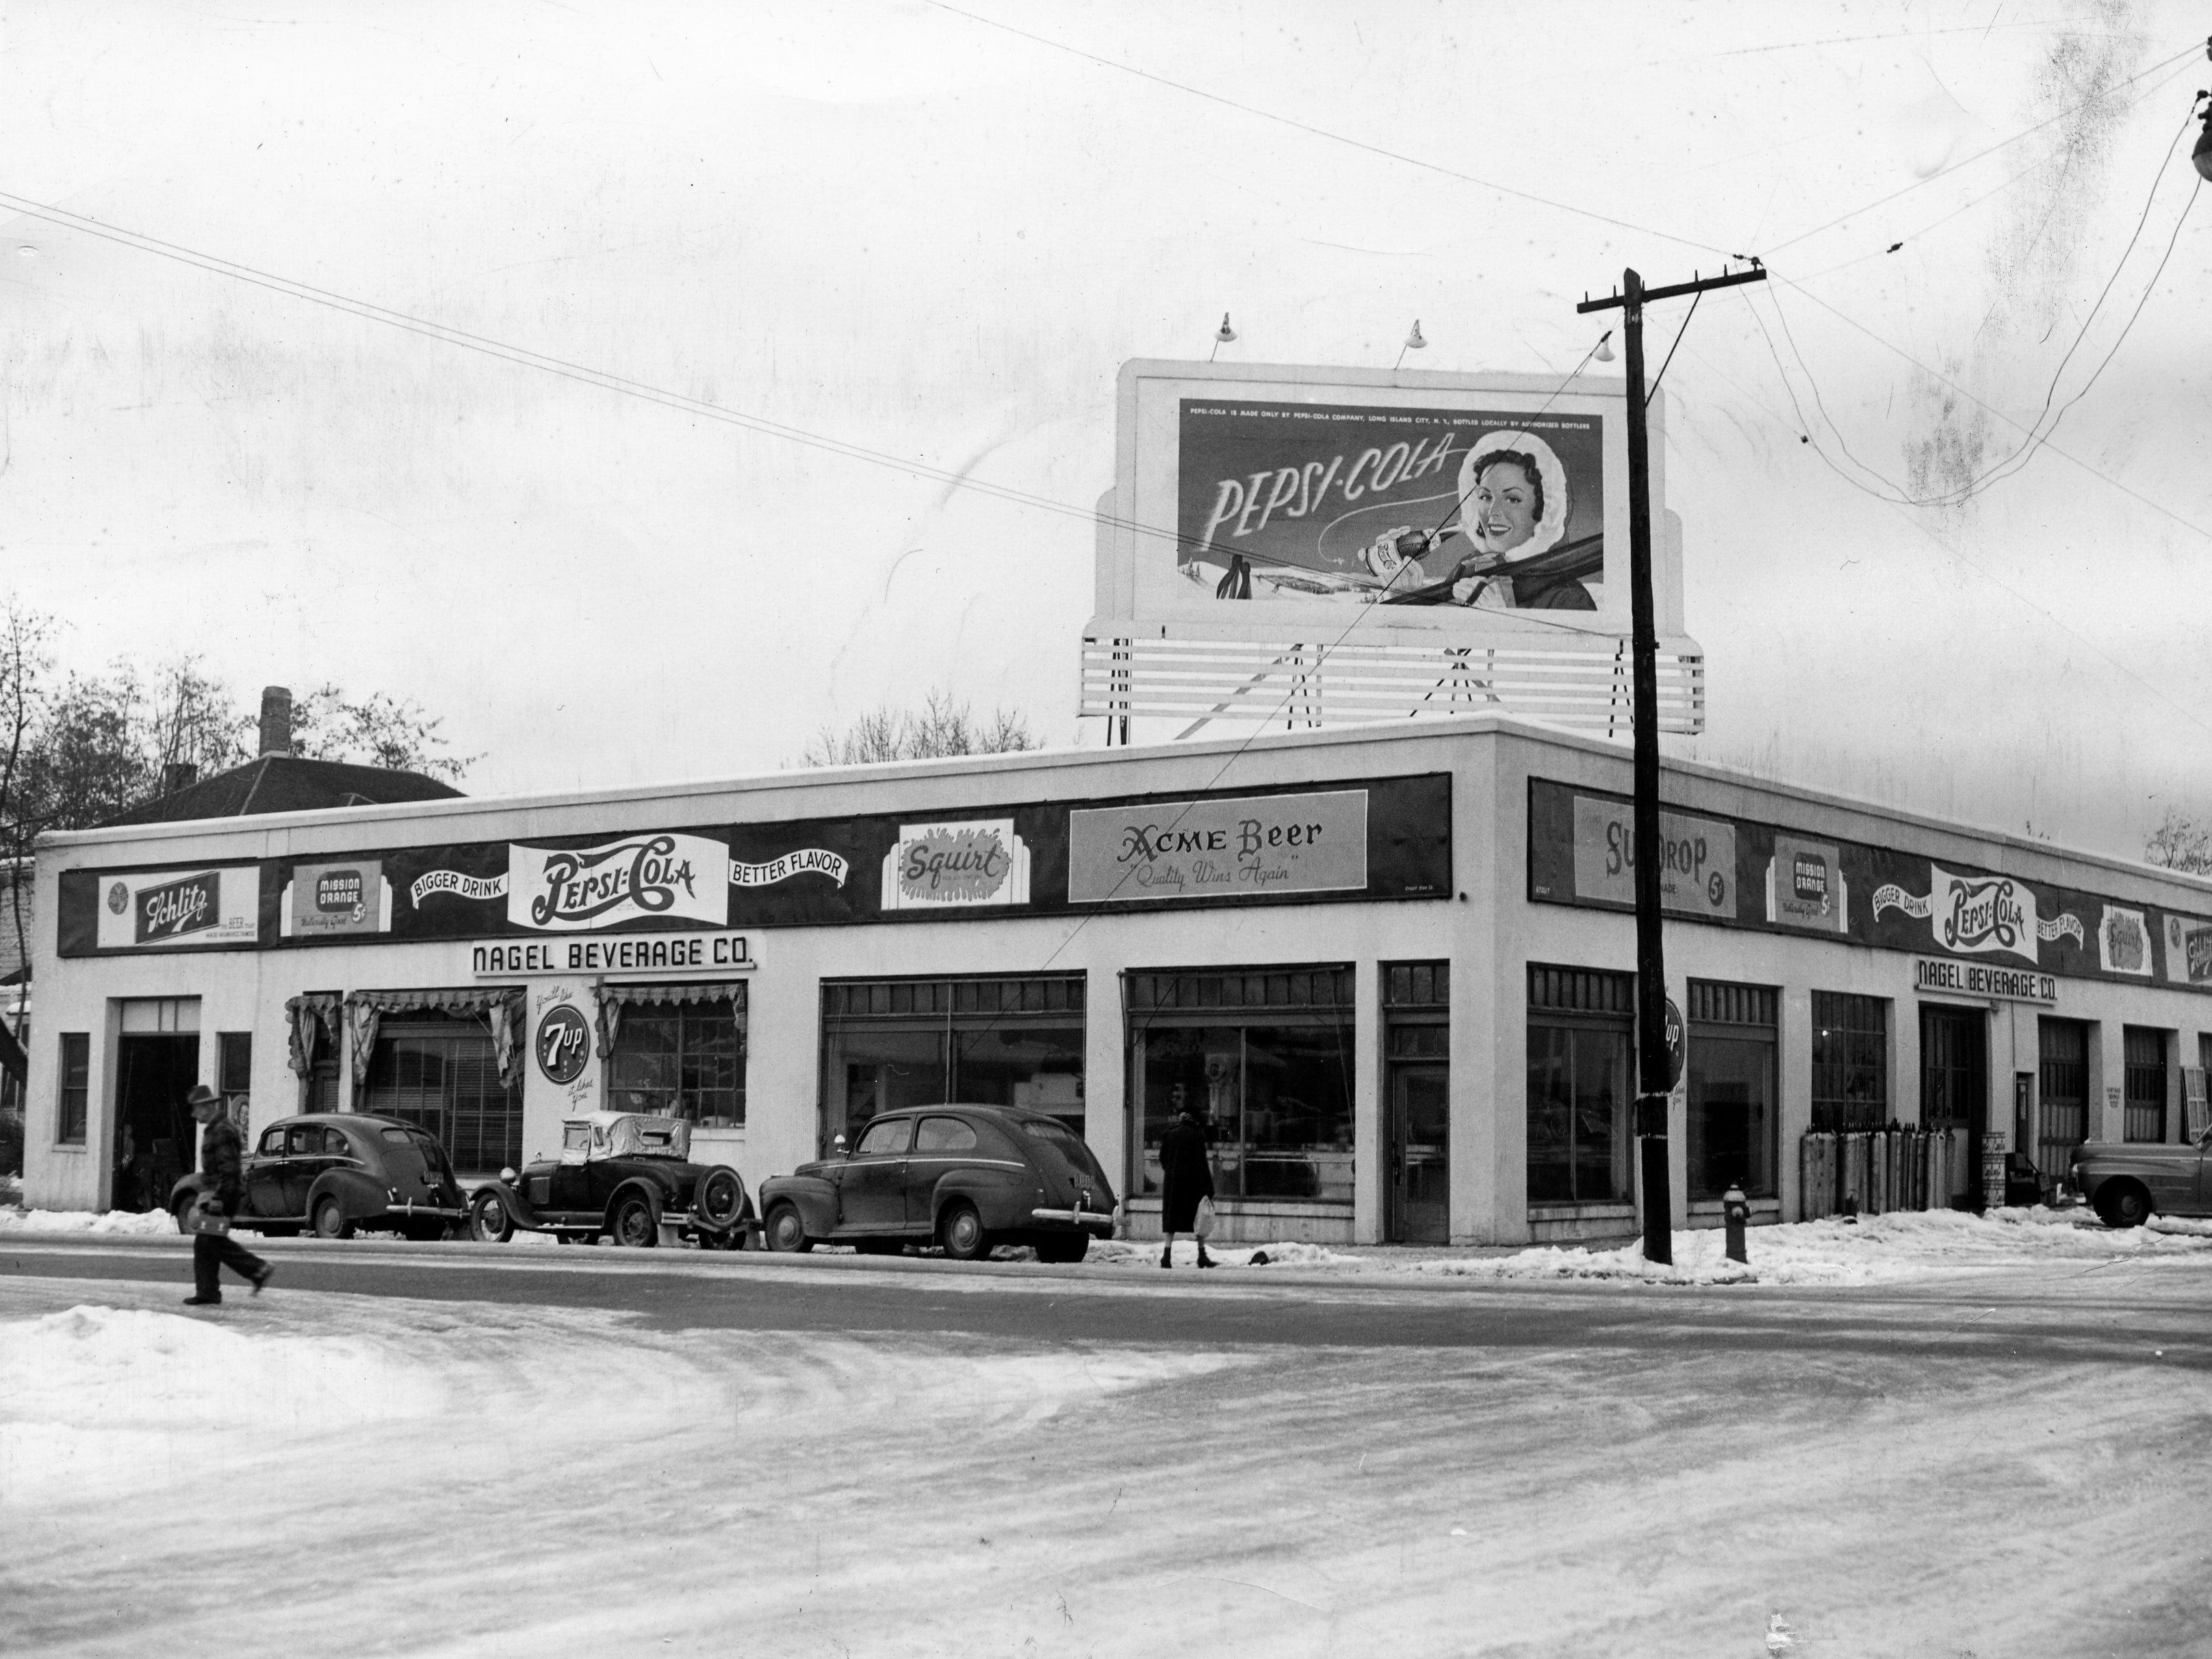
<point x="2062" y="1090"/>
<point x="892" y="1043"/>
<point x="1581" y="1028"/>
<point x="2145" y="1078"/>
<point x="1851" y="1062"/>
<point x="1731" y="1072"/>
<point x="76" y="1087"/>
<point x="679" y="1051"/>
<point x="440" y="1073"/>
<point x="1264" y="1059"/>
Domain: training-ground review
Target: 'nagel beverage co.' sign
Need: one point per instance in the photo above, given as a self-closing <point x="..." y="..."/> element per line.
<point x="1978" y="979"/>
<point x="714" y="955"/>
<point x="1268" y="844"/>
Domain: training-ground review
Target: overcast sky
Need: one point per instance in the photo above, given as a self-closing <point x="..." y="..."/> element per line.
<point x="891" y="224"/>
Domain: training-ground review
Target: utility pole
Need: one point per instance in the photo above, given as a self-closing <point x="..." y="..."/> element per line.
<point x="1654" y="1079"/>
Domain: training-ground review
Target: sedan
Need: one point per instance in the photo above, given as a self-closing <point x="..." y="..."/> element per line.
<point x="2125" y="1182"/>
<point x="333" y="1172"/>
<point x="965" y="1177"/>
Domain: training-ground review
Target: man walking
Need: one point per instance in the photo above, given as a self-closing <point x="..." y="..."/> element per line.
<point x="221" y="1187"/>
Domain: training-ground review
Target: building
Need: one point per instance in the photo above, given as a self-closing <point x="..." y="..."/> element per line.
<point x="1392" y="964"/>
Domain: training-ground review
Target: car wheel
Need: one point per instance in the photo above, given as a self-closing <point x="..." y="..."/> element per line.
<point x="787" y="1231"/>
<point x="2124" y="1204"/>
<point x="489" y="1221"/>
<point x="721" y="1198"/>
<point x="182" y="1208"/>
<point x="631" y="1224"/>
<point x="1056" y="1248"/>
<point x="961" y="1231"/>
<point x="330" y="1220"/>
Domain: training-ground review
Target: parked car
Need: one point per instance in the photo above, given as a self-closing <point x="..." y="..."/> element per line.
<point x="966" y="1177"/>
<point x="625" y="1175"/>
<point x="332" y="1173"/>
<point x="2124" y="1181"/>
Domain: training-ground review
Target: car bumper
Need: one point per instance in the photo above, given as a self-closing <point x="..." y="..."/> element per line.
<point x="1100" y="1222"/>
<point x="409" y="1208"/>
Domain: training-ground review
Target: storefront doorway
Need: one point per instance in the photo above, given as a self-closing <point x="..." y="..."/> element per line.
<point x="1954" y="1088"/>
<point x="154" y="1133"/>
<point x="1417" y="1104"/>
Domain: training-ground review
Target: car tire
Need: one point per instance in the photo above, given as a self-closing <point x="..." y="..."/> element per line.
<point x="490" y="1223"/>
<point x="329" y="1221"/>
<point x="2123" y="1204"/>
<point x="1056" y="1248"/>
<point x="631" y="1223"/>
<point x="960" y="1231"/>
<point x="180" y="1210"/>
<point x="719" y="1200"/>
<point x="787" y="1230"/>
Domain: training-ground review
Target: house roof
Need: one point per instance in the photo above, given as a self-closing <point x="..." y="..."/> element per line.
<point x="287" y="783"/>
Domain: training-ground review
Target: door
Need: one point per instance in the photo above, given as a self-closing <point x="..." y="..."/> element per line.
<point x="1419" y="1168"/>
<point x="1955" y="1089"/>
<point x="155" y="1138"/>
<point x="872" y="1183"/>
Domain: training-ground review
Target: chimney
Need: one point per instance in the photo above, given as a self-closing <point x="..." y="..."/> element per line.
<point x="276" y="720"/>
<point x="178" y="775"/>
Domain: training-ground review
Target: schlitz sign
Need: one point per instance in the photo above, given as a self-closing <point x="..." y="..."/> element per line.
<point x="163" y="910"/>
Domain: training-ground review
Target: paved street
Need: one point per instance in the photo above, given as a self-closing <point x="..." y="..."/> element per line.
<point x="465" y="1451"/>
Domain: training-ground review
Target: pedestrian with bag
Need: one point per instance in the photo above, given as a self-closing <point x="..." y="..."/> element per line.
<point x="1186" y="1183"/>
<point x="221" y="1187"/>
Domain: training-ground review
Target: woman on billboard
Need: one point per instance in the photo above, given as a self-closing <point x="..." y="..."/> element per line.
<point x="1513" y="506"/>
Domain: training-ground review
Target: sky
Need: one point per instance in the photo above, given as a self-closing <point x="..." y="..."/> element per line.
<point x="936" y="232"/>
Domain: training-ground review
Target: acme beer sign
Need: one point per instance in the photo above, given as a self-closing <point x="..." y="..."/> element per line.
<point x="639" y="877"/>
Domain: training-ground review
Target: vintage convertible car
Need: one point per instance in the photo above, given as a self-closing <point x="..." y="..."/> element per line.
<point x="966" y="1177"/>
<point x="333" y="1172"/>
<point x="2125" y="1182"/>
<point x="628" y="1176"/>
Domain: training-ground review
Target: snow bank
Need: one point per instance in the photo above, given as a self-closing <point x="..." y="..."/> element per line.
<point x="86" y="1221"/>
<point x="99" y="1398"/>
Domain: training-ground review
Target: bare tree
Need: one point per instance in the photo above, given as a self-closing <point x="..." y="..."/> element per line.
<point x="378" y="730"/>
<point x="23" y="667"/>
<point x="2180" y="842"/>
<point x="940" y="726"/>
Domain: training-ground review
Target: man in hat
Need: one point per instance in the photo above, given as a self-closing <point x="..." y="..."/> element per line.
<point x="221" y="1187"/>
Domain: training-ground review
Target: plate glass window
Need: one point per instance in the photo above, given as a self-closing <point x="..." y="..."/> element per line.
<point x="1851" y="1062"/>
<point x="681" y="1057"/>
<point x="1731" y="1074"/>
<point x="1263" y="1057"/>
<point x="76" y="1087"/>
<point x="440" y="1073"/>
<point x="1581" y="1028"/>
<point x="887" y="1044"/>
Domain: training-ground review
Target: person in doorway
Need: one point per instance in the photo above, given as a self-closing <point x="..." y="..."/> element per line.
<point x="1186" y="1176"/>
<point x="221" y="1156"/>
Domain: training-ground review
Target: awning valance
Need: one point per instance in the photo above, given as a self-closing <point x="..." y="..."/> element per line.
<point x="729" y="991"/>
<point x="311" y="1020"/>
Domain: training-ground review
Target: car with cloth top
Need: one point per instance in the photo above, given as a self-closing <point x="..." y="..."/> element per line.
<point x="333" y="1173"/>
<point x="2125" y="1182"/>
<point x="627" y="1177"/>
<point x="965" y="1177"/>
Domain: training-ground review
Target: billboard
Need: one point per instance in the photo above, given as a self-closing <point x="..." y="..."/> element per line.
<point x="1464" y="509"/>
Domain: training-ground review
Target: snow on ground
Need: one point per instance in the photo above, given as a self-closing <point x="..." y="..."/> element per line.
<point x="302" y="1472"/>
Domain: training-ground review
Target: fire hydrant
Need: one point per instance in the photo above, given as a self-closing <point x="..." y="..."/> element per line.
<point x="1736" y="1212"/>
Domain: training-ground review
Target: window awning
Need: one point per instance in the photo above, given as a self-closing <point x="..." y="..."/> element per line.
<point x="312" y="1017"/>
<point x="500" y="1006"/>
<point x="731" y="991"/>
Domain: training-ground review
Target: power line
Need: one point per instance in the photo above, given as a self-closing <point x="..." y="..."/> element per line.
<point x="2005" y="143"/>
<point x="1308" y="128"/>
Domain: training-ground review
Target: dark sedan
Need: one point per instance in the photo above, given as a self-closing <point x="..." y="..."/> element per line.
<point x="966" y="1177"/>
<point x="333" y="1172"/>
<point x="2126" y="1183"/>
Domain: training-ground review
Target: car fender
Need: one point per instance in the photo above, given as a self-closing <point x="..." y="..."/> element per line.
<point x="816" y="1201"/>
<point x="1004" y="1198"/>
<point x="519" y="1210"/>
<point x="359" y="1197"/>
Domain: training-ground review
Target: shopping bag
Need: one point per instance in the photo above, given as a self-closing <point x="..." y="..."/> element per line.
<point x="1203" y="1224"/>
